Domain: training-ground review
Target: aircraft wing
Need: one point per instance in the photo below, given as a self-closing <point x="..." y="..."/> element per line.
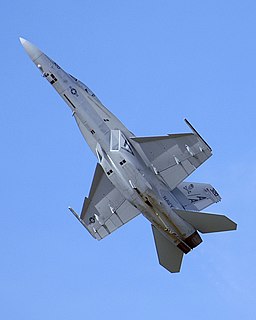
<point x="105" y="209"/>
<point x="175" y="156"/>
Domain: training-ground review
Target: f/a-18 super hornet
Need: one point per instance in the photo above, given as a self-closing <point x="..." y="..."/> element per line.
<point x="138" y="174"/>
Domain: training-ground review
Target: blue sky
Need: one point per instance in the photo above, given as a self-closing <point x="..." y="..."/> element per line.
<point x="152" y="63"/>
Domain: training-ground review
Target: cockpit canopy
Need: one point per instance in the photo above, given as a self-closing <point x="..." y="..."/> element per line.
<point x="118" y="141"/>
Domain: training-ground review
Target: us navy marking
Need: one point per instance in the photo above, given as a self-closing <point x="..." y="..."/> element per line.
<point x="168" y="201"/>
<point x="73" y="91"/>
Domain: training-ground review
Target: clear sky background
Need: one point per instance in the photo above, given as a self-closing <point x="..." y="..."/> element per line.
<point x="152" y="63"/>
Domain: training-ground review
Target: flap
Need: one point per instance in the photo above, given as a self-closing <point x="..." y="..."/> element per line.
<point x="175" y="156"/>
<point x="105" y="209"/>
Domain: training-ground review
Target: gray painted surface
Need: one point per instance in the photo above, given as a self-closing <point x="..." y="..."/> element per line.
<point x="138" y="174"/>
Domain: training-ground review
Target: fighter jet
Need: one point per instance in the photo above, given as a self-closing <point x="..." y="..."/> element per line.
<point x="138" y="175"/>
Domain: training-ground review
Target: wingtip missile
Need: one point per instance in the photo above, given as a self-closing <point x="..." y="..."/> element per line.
<point x="74" y="212"/>
<point x="197" y="133"/>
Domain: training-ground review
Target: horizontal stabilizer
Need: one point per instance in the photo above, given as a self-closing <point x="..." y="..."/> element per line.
<point x="169" y="256"/>
<point x="207" y="222"/>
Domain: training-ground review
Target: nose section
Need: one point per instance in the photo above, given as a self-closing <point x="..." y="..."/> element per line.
<point x="31" y="50"/>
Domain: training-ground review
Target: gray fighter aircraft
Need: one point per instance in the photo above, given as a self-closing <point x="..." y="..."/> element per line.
<point x="138" y="174"/>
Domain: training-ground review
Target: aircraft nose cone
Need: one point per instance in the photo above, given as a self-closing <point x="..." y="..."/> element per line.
<point x="31" y="50"/>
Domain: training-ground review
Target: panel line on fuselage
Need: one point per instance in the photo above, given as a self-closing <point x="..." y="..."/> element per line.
<point x="70" y="101"/>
